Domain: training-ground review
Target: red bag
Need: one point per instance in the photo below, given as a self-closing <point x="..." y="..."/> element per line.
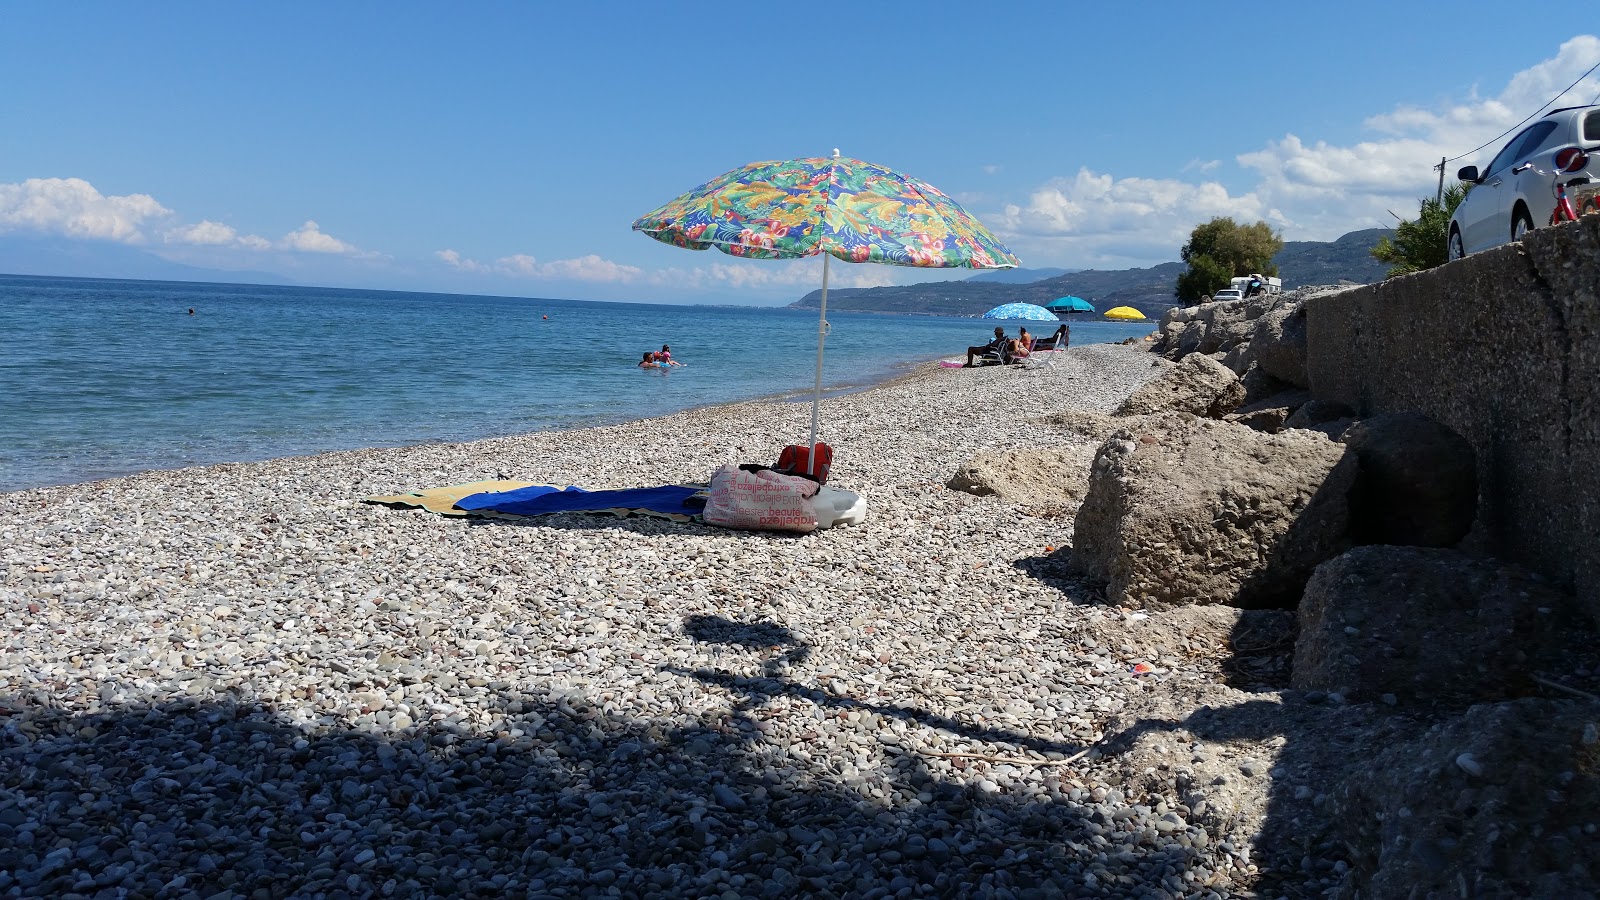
<point x="796" y="460"/>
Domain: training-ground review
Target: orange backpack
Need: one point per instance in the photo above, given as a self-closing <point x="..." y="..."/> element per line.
<point x="796" y="460"/>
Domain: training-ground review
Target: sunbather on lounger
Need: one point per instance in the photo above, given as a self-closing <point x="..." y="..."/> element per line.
<point x="1056" y="341"/>
<point x="995" y="348"/>
<point x="1021" y="347"/>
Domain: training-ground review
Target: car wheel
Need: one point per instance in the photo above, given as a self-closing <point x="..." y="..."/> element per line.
<point x="1457" y="251"/>
<point x="1521" y="223"/>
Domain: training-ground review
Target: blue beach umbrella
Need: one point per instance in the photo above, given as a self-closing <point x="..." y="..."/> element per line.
<point x="1021" y="311"/>
<point x="1069" y="304"/>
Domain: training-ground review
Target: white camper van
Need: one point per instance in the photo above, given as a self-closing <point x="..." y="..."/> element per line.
<point x="1256" y="284"/>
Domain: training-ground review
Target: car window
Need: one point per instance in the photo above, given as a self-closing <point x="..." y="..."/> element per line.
<point x="1514" y="150"/>
<point x="1538" y="143"/>
<point x="1504" y="157"/>
<point x="1591" y="126"/>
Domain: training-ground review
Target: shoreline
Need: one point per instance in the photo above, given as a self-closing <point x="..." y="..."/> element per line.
<point x="573" y="703"/>
<point x="899" y="372"/>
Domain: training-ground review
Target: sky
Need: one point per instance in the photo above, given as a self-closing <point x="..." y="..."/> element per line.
<point x="506" y="148"/>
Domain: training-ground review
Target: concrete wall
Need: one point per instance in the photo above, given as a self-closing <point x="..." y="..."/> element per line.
<point x="1504" y="347"/>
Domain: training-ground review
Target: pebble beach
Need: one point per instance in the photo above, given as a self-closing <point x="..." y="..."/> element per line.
<point x="243" y="681"/>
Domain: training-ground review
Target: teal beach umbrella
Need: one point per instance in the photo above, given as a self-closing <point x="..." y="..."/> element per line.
<point x="1069" y="304"/>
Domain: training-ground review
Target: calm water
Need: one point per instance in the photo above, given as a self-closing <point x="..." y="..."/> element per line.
<point x="101" y="378"/>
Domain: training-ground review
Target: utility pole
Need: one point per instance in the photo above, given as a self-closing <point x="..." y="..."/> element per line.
<point x="1439" y="197"/>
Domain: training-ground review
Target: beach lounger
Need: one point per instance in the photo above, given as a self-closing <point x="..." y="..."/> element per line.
<point x="1045" y="349"/>
<point x="1056" y="341"/>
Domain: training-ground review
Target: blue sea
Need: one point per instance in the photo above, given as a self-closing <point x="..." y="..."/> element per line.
<point x="100" y="378"/>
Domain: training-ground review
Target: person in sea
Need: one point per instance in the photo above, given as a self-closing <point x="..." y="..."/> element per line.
<point x="999" y="343"/>
<point x="650" y="361"/>
<point x="664" y="356"/>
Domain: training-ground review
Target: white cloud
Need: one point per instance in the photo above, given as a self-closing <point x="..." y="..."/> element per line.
<point x="1327" y="189"/>
<point x="1096" y="219"/>
<point x="991" y="170"/>
<point x="457" y="261"/>
<point x="771" y="274"/>
<point x="1309" y="189"/>
<point x="204" y="232"/>
<point x="74" y="208"/>
<point x="310" y="238"/>
<point x="590" y="268"/>
<point x="207" y="233"/>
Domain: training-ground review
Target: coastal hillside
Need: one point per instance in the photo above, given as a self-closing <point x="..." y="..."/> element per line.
<point x="1019" y="276"/>
<point x="1148" y="290"/>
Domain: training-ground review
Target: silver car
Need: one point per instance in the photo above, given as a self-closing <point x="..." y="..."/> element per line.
<point x="1516" y="190"/>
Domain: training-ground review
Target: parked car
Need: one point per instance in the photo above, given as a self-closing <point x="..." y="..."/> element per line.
<point x="1515" y="192"/>
<point x="1227" y="294"/>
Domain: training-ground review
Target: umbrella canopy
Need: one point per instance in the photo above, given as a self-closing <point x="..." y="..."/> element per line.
<point x="836" y="206"/>
<point x="854" y="210"/>
<point x="1070" y="304"/>
<point x="1020" y="311"/>
<point x="1124" y="312"/>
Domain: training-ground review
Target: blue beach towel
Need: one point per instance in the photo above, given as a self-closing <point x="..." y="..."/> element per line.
<point x="540" y="500"/>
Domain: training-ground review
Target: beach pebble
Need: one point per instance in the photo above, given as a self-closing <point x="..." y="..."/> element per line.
<point x="241" y="681"/>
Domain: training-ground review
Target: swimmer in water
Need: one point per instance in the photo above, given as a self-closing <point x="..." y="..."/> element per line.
<point x="191" y="310"/>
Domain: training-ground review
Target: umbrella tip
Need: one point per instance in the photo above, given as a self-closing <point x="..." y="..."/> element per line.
<point x="836" y="153"/>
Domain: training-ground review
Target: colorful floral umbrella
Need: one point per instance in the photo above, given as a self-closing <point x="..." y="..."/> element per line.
<point x="1020" y="311"/>
<point x="854" y="210"/>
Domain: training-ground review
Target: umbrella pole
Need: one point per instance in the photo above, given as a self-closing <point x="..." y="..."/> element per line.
<point x="816" y="397"/>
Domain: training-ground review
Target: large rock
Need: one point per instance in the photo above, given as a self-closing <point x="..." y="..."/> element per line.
<point x="1269" y="415"/>
<point x="1279" y="343"/>
<point x="1239" y="358"/>
<point x="1207" y="512"/>
<point x="1226" y="324"/>
<point x="1198" y="385"/>
<point x="1049" y="477"/>
<point x="1258" y="385"/>
<point x="1182" y="339"/>
<point x="1427" y="625"/>
<point x="1417" y="484"/>
<point x="1171" y="321"/>
<point x="1499" y="802"/>
<point x="1318" y="412"/>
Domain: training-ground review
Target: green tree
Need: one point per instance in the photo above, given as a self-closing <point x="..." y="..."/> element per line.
<point x="1205" y="276"/>
<point x="1422" y="243"/>
<point x="1222" y="249"/>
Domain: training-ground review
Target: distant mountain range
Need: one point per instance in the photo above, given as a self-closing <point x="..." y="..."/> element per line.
<point x="103" y="259"/>
<point x="1148" y="290"/>
<point x="1020" y="276"/>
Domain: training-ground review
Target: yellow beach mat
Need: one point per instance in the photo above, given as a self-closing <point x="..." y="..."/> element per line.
<point x="442" y="500"/>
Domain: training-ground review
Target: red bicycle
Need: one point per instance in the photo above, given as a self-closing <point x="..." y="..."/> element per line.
<point x="1569" y="160"/>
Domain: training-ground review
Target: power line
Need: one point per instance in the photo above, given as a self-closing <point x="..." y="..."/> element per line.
<point x="1525" y="121"/>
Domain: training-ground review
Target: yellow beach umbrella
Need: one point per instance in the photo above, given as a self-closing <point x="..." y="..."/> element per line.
<point x="1124" y="312"/>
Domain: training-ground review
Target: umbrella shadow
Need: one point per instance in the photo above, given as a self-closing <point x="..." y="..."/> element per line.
<point x="753" y="692"/>
<point x="560" y="798"/>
